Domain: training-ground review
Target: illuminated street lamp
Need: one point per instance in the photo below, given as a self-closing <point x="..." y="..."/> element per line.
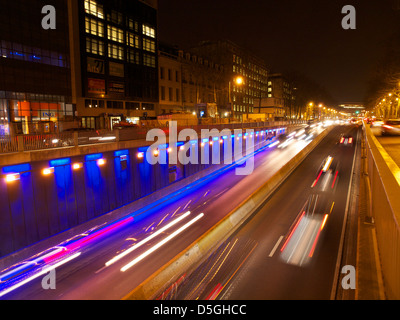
<point x="239" y="81"/>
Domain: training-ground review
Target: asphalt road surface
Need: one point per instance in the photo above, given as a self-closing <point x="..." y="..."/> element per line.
<point x="289" y="249"/>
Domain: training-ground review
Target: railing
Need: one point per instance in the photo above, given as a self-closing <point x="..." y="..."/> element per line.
<point x="47" y="141"/>
<point x="384" y="204"/>
<point x="8" y="145"/>
<point x="74" y="139"/>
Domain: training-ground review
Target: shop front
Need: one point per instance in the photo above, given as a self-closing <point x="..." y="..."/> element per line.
<point x="28" y="117"/>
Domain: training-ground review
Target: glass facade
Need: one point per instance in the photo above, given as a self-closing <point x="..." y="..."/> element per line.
<point x="35" y="82"/>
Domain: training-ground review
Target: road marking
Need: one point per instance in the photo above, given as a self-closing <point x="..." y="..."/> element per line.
<point x="276" y="247"/>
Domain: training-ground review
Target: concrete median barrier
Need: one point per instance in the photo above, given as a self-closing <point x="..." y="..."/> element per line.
<point x="199" y="250"/>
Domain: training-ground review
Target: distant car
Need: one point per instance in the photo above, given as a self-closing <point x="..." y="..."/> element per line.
<point x="391" y="127"/>
<point x="346" y="140"/>
<point x="377" y="123"/>
<point x="125" y="125"/>
<point x="84" y="136"/>
<point x="328" y="174"/>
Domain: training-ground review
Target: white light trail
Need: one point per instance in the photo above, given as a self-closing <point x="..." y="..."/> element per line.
<point x="41" y="273"/>
<point x="160" y="244"/>
<point x="141" y="243"/>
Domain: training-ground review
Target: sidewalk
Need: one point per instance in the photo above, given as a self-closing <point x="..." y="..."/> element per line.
<point x="369" y="274"/>
<point x="360" y="246"/>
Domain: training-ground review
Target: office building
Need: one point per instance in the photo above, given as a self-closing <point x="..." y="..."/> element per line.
<point x="35" y="68"/>
<point x="115" y="69"/>
<point x="240" y="63"/>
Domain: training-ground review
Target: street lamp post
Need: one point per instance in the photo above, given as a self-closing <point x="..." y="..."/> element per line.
<point x="239" y="81"/>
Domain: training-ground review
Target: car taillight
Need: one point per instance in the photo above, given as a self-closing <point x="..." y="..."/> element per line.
<point x="350" y="140"/>
<point x="342" y="140"/>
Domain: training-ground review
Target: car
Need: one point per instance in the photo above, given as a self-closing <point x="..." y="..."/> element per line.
<point x="85" y="135"/>
<point x="328" y="175"/>
<point x="377" y="123"/>
<point x="346" y="140"/>
<point x="391" y="127"/>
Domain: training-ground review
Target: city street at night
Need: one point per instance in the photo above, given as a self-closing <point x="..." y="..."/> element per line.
<point x="195" y="159"/>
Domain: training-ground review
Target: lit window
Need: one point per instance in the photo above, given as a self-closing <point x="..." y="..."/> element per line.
<point x="115" y="34"/>
<point x="149" y="31"/>
<point x="94" y="27"/>
<point x="132" y="40"/>
<point x="94" y="46"/>
<point x="93" y="8"/>
<point x="149" y="45"/>
<point x="115" y="52"/>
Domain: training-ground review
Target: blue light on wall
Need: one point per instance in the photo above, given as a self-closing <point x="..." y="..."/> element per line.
<point x="94" y="157"/>
<point x="121" y="153"/>
<point x="60" y="162"/>
<point x="21" y="168"/>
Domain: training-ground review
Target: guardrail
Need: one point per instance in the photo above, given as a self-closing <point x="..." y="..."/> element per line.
<point x="384" y="181"/>
<point x="24" y="143"/>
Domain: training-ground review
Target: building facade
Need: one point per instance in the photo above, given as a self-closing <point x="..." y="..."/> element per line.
<point x="281" y="95"/>
<point x="204" y="91"/>
<point x="98" y="66"/>
<point x="115" y="75"/>
<point x="238" y="63"/>
<point x="170" y="81"/>
<point x="35" y="68"/>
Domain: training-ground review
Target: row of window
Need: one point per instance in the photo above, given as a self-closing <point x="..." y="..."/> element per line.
<point x="199" y="60"/>
<point x="170" y="94"/>
<point x="170" y="74"/>
<point x="100" y="104"/>
<point x="96" y="28"/>
<point x="97" y="47"/>
<point x="251" y="67"/>
<point x="97" y="10"/>
<point x="249" y="74"/>
<point x="244" y="99"/>
<point x="237" y="108"/>
<point x="17" y="51"/>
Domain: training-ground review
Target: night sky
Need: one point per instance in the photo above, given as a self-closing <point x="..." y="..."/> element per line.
<point x="303" y="36"/>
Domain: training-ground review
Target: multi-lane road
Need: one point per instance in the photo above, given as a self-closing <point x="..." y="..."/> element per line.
<point x="108" y="262"/>
<point x="290" y="249"/>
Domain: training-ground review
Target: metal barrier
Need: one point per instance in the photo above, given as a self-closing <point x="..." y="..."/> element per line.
<point x="384" y="178"/>
<point x="8" y="144"/>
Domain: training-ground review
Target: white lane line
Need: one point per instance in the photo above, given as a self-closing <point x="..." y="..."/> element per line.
<point x="276" y="247"/>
